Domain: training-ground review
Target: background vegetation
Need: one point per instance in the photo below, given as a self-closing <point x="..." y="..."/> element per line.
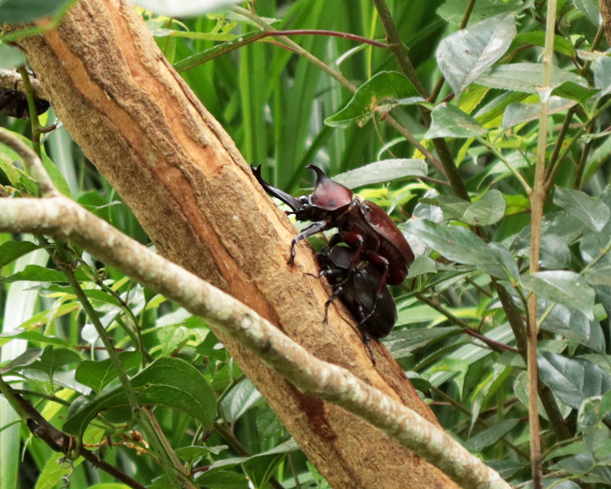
<point x="457" y="336"/>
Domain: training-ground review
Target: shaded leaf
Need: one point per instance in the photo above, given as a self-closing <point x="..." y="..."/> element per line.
<point x="466" y="54"/>
<point x="572" y="379"/>
<point x="11" y="250"/>
<point x="383" y="89"/>
<point x="590" y="210"/>
<point x="382" y="171"/>
<point x="10" y="57"/>
<point x="451" y="122"/>
<point x="600" y="273"/>
<point x="21" y="11"/>
<point x="169" y="382"/>
<point x="26" y="358"/>
<point x="576" y="326"/>
<point x="602" y="75"/>
<point x="34" y="337"/>
<point x="421" y="265"/>
<point x="260" y="468"/>
<point x="52" y="359"/>
<point x="403" y="342"/>
<point x="100" y="373"/>
<point x="35" y="273"/>
<point x="590" y="8"/>
<point x="568" y="288"/>
<point x="239" y="400"/>
<point x="555" y="252"/>
<point x="490" y="435"/>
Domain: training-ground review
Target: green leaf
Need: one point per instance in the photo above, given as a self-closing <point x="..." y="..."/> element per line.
<point x="169" y="382"/>
<point x="572" y="380"/>
<point x="466" y="54"/>
<point x="490" y="435"/>
<point x="590" y="8"/>
<point x="563" y="287"/>
<point x="574" y="325"/>
<point x="516" y="204"/>
<point x="222" y="479"/>
<point x="518" y="113"/>
<point x="100" y="373"/>
<point x="35" y="273"/>
<point x="404" y="342"/>
<point x="600" y="274"/>
<point x="451" y="122"/>
<point x="525" y="77"/>
<point x="34" y="337"/>
<point x="590" y="210"/>
<point x="22" y="11"/>
<point x="52" y="359"/>
<point x="260" y="468"/>
<point x="239" y="400"/>
<point x="462" y="246"/>
<point x="453" y="11"/>
<point x="602" y="75"/>
<point x="561" y="45"/>
<point x="489" y="209"/>
<point x="421" y="265"/>
<point x="26" y="358"/>
<point x="382" y="172"/>
<point x="555" y="253"/>
<point x="11" y="156"/>
<point x="194" y="453"/>
<point x="184" y="9"/>
<point x="10" y="57"/>
<point x="382" y="90"/>
<point x="11" y="250"/>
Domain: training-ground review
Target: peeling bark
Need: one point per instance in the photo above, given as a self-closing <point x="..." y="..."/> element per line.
<point x="189" y="187"/>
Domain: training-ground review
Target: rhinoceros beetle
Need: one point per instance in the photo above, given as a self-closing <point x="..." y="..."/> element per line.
<point x="356" y="287"/>
<point x="361" y="224"/>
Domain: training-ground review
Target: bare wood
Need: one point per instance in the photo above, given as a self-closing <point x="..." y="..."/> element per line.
<point x="187" y="184"/>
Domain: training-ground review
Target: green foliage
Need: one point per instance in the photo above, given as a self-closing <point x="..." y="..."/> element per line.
<point x="453" y="337"/>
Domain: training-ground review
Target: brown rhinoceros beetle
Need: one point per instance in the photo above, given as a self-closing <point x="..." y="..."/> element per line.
<point x="356" y="287"/>
<point x="361" y="224"/>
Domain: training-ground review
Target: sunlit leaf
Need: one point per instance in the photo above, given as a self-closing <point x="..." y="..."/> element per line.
<point x="188" y="8"/>
<point x="451" y="122"/>
<point x="239" y="400"/>
<point x="564" y="287"/>
<point x="383" y="89"/>
<point x="466" y="54"/>
<point x="382" y="172"/>
<point x="21" y="11"/>
<point x="490" y="435"/>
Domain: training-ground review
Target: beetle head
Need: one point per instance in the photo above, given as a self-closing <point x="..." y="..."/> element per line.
<point x="329" y="195"/>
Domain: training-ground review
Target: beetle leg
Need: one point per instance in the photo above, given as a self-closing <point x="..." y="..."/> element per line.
<point x="336" y="292"/>
<point x="315" y="227"/>
<point x="366" y="341"/>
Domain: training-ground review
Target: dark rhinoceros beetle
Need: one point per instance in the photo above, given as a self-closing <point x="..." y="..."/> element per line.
<point x="361" y="224"/>
<point x="356" y="287"/>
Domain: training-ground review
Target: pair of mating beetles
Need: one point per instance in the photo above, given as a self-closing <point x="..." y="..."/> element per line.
<point x="376" y="252"/>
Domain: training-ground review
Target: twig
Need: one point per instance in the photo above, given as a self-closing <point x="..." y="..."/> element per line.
<point x="537" y="199"/>
<point x="495" y="345"/>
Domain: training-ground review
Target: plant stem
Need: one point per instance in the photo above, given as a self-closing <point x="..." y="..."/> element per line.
<point x="537" y="199"/>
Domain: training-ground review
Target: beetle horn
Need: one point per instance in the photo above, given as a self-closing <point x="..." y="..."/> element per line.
<point x="328" y="194"/>
<point x="288" y="199"/>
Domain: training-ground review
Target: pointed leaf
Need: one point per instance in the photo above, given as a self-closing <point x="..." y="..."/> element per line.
<point x="590" y="210"/>
<point x="11" y="250"/>
<point x="574" y="325"/>
<point x="239" y="400"/>
<point x="169" y="382"/>
<point x="451" y="122"/>
<point x="563" y="287"/>
<point x="525" y="77"/>
<point x="572" y="379"/>
<point x="600" y="274"/>
<point x="385" y="88"/>
<point x="466" y="54"/>
<point x="382" y="172"/>
<point x="490" y="435"/>
<point x="99" y="374"/>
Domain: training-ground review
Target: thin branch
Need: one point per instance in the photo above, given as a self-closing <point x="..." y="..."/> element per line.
<point x="495" y="345"/>
<point x="58" y="440"/>
<point x="11" y="80"/>
<point x="400" y="52"/>
<point x="537" y="199"/>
